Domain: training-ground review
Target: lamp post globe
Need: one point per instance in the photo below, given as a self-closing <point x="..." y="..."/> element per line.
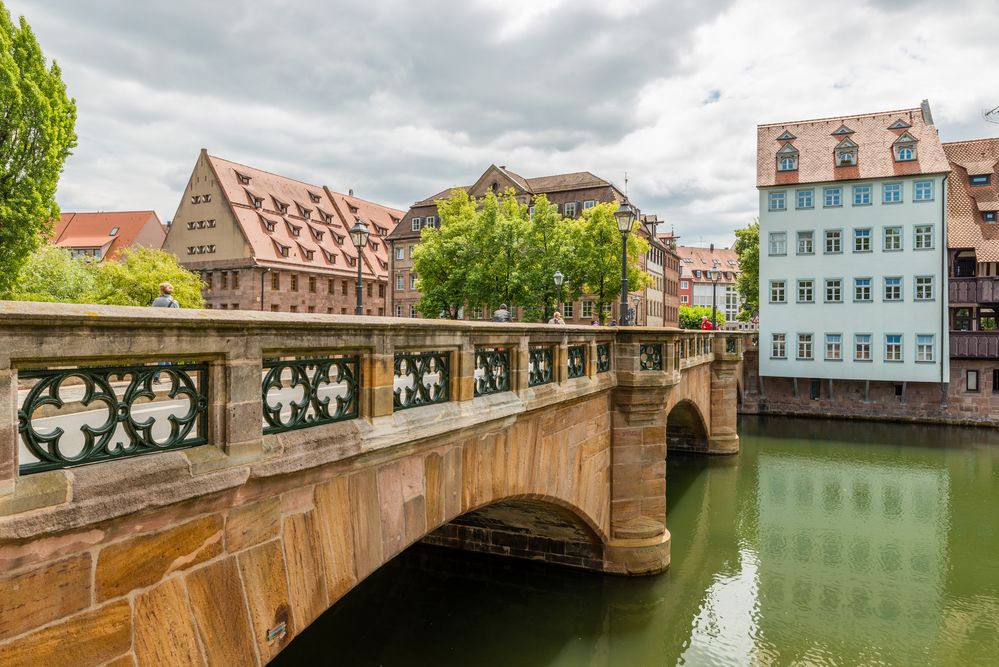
<point x="359" y="237"/>
<point x="714" y="275"/>
<point x="625" y="218"/>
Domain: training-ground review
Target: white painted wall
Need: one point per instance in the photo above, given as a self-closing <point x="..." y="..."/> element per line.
<point x="878" y="318"/>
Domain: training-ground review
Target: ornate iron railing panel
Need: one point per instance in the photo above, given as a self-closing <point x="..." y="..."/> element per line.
<point x="539" y="369"/>
<point x="731" y="345"/>
<point x="421" y="378"/>
<point x="651" y="356"/>
<point x="104" y="419"/>
<point x="577" y="361"/>
<point x="492" y="371"/>
<point x="298" y="393"/>
<point x="603" y="357"/>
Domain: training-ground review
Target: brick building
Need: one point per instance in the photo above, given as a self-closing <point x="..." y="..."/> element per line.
<point x="267" y="242"/>
<point x="572" y="193"/>
<point x="106" y="234"/>
<point x="696" y="288"/>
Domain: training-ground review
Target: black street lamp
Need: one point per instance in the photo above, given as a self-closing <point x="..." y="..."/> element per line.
<point x="559" y="278"/>
<point x="625" y="216"/>
<point x="714" y="275"/>
<point x="359" y="237"/>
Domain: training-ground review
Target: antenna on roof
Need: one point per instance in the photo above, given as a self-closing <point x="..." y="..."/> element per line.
<point x="991" y="115"/>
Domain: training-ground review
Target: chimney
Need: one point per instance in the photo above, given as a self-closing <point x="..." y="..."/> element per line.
<point x="712" y="248"/>
<point x="350" y="192"/>
<point x="925" y="108"/>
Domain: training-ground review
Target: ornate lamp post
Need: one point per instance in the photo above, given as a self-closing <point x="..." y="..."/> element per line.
<point x="359" y="237"/>
<point x="559" y="278"/>
<point x="715" y="276"/>
<point x="625" y="216"/>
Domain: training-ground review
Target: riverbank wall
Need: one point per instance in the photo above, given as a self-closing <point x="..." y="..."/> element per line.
<point x="971" y="398"/>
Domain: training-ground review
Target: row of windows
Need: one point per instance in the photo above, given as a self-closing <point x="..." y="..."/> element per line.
<point x="208" y="278"/>
<point x="400" y="282"/>
<point x="924" y="289"/>
<point x="892" y="239"/>
<point x="429" y="221"/>
<point x="347" y="287"/>
<point x="863" y="195"/>
<point x="863" y="350"/>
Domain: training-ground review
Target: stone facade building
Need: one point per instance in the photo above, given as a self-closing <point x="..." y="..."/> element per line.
<point x="572" y="193"/>
<point x="106" y="234"/>
<point x="267" y="242"/>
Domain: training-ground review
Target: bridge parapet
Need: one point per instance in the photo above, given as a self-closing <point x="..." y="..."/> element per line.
<point x="264" y="429"/>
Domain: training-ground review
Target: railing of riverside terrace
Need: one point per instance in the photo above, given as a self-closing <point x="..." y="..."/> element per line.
<point x="188" y="381"/>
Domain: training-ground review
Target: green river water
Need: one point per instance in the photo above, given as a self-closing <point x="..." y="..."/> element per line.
<point x="821" y="543"/>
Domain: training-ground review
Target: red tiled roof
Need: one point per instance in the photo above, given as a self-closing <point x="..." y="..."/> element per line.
<point x="965" y="227"/>
<point x="703" y="259"/>
<point x="815" y="142"/>
<point x="343" y="210"/>
<point x="93" y="230"/>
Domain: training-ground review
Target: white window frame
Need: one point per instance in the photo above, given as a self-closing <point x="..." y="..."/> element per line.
<point x="862" y="350"/>
<point x="832" y="197"/>
<point x="896" y="287"/>
<point x="892" y="354"/>
<point x="807" y="193"/>
<point x="589" y="203"/>
<point x="400" y="283"/>
<point x="806" y="242"/>
<point x="924" y="187"/>
<point x="869" y="287"/>
<point x="923" y="288"/>
<point x="925" y="349"/>
<point x="417" y="224"/>
<point x="778" y="291"/>
<point x="838" y="287"/>
<point x="858" y="237"/>
<point x="777" y="243"/>
<point x="859" y="190"/>
<point x="806" y="342"/>
<point x="587" y="310"/>
<point x="922" y="233"/>
<point x="567" y="310"/>
<point x="778" y="346"/>
<point x="777" y="201"/>
<point x="570" y="209"/>
<point x="806" y="285"/>
<point x="833" y="235"/>
<point x="400" y="252"/>
<point x="834" y="344"/>
<point x="891" y="193"/>
<point x="895" y="233"/>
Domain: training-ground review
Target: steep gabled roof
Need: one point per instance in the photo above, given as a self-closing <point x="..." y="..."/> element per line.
<point x="965" y="226"/>
<point x="93" y="230"/>
<point x="274" y="189"/>
<point x="817" y="139"/>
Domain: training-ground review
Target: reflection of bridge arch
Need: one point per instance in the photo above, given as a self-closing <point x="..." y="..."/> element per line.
<point x="686" y="427"/>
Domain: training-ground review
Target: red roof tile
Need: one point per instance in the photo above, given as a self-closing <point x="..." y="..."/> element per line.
<point x="815" y="142"/>
<point x="333" y="251"/>
<point x="965" y="226"/>
<point x="93" y="230"/>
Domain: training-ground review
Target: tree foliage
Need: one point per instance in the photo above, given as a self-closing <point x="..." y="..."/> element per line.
<point x="52" y="274"/>
<point x="690" y="316"/>
<point x="37" y="121"/>
<point x="747" y="246"/>
<point x="496" y="250"/>
<point x="134" y="280"/>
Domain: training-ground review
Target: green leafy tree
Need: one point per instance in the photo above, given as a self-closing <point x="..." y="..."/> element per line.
<point x="747" y="246"/>
<point x="134" y="280"/>
<point x="596" y="258"/>
<point x="446" y="258"/>
<point x="690" y="316"/>
<point x="52" y="274"/>
<point x="547" y="249"/>
<point x="37" y="121"/>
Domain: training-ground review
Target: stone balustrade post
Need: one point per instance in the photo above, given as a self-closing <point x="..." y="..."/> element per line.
<point x="463" y="372"/>
<point x="724" y="436"/>
<point x="520" y="360"/>
<point x="8" y="426"/>
<point x="379" y="366"/>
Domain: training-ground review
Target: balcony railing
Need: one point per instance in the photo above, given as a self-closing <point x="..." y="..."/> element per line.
<point x="973" y="290"/>
<point x="974" y="345"/>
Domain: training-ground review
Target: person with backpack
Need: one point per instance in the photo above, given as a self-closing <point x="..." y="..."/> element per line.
<point x="165" y="299"/>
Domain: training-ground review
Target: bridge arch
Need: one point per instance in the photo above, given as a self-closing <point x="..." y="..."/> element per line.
<point x="686" y="427"/>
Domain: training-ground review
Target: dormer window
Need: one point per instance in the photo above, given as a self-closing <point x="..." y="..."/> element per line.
<point x="305" y="212"/>
<point x="846" y="153"/>
<point x="330" y="257"/>
<point x="339" y="239"/>
<point x="314" y="197"/>
<point x="318" y="234"/>
<point x="899" y="125"/>
<point x="374" y="246"/>
<point x="352" y="261"/>
<point x="786" y="136"/>
<point x="258" y="202"/>
<point x="269" y="224"/>
<point x="905" y="148"/>
<point x="842" y="130"/>
<point x="283" y="209"/>
<point x="980" y="179"/>
<point x="114" y="231"/>
<point x="243" y="178"/>
<point x="787" y="158"/>
<point x="989" y="217"/>
<point x="309" y="254"/>
<point x="294" y="230"/>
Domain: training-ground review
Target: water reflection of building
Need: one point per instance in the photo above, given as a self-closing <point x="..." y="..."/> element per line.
<point x="854" y="551"/>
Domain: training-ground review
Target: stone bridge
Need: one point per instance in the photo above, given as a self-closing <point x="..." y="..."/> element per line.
<point x="196" y="487"/>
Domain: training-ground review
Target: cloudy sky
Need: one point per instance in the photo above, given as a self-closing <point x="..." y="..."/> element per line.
<point x="398" y="99"/>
